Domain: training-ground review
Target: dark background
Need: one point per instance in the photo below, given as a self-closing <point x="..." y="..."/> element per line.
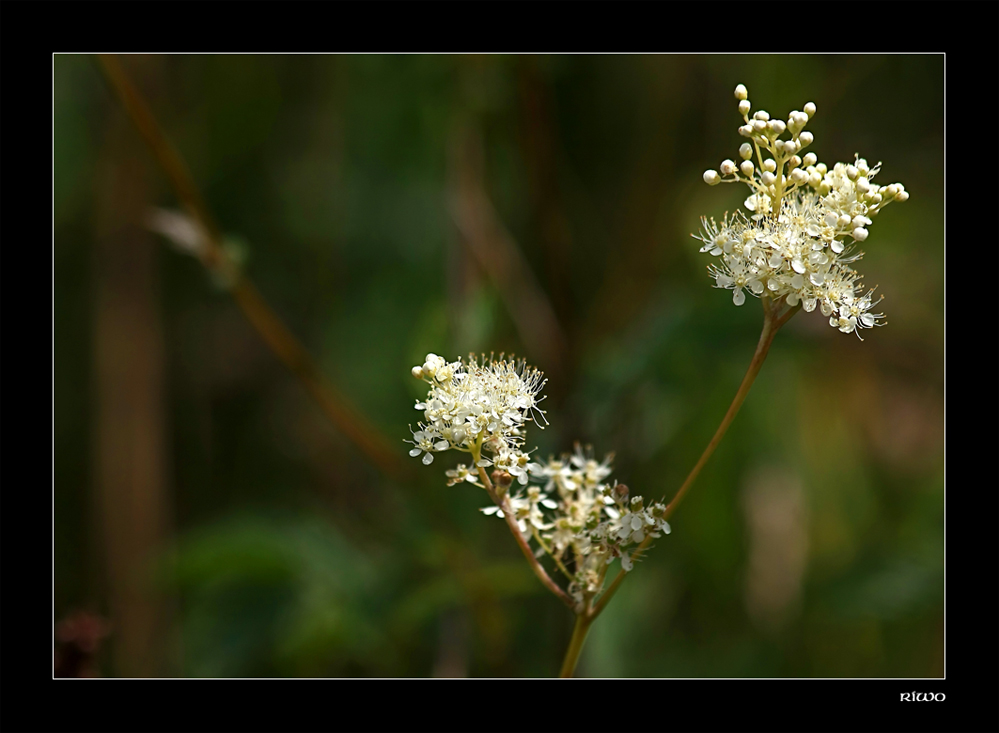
<point x="206" y="509"/>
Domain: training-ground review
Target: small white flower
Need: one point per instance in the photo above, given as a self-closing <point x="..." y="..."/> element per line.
<point x="426" y="443"/>
<point x="461" y="473"/>
<point x="791" y="246"/>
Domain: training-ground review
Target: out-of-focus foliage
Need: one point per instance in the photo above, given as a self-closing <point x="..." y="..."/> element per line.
<point x="811" y="545"/>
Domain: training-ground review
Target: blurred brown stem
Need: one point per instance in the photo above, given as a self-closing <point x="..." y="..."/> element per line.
<point x="273" y="331"/>
<point x="499" y="256"/>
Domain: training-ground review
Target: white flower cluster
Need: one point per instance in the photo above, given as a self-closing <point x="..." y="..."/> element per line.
<point x="793" y="245"/>
<point x="595" y="521"/>
<point x="578" y="517"/>
<point x="589" y="521"/>
<point x="473" y="406"/>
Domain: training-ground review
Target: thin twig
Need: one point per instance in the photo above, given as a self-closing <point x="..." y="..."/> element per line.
<point x="275" y="334"/>
<point x="500" y="257"/>
<point x="511" y="521"/>
<point x="771" y="325"/>
<point x="537" y="536"/>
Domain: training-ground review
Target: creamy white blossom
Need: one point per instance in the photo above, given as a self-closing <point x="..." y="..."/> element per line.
<point x="472" y="404"/>
<point x="799" y="239"/>
<point x="571" y="511"/>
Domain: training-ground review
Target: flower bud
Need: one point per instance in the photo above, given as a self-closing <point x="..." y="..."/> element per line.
<point x="746" y="167"/>
<point x="622" y="491"/>
<point x="744" y="107"/>
<point x="761" y="115"/>
<point x="770" y="165"/>
<point x="790" y="146"/>
<point x="711" y="178"/>
<point x="852" y="172"/>
<point x="501" y="480"/>
<point x="418" y="372"/>
<point x="809" y="109"/>
<point x="904" y="196"/>
<point x="860" y="234"/>
<point x="794" y="161"/>
<point x="777" y="126"/>
<point x="727" y="168"/>
<point x="806" y="138"/>
<point x="809" y="159"/>
<point x="746" y="130"/>
<point x="741" y="92"/>
<point x="745" y="151"/>
<point x="768" y="178"/>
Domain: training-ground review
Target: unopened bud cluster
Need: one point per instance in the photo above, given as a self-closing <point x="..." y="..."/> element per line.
<point x="575" y="515"/>
<point x="799" y="240"/>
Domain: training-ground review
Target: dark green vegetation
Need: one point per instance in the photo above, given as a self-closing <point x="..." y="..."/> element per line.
<point x="206" y="506"/>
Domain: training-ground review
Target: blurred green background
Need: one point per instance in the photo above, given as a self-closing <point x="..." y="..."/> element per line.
<point x="391" y="206"/>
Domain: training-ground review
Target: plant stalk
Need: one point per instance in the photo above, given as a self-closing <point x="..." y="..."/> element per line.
<point x="579" y="631"/>
<point x="522" y="543"/>
<point x="772" y="321"/>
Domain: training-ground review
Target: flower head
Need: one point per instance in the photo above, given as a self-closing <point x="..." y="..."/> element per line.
<point x="805" y="221"/>
<point x="471" y="404"/>
<point x="579" y="518"/>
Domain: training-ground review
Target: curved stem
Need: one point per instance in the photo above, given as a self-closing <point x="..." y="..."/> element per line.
<point x="762" y="348"/>
<point x="579" y="631"/>
<point x="511" y="522"/>
<point x="771" y="324"/>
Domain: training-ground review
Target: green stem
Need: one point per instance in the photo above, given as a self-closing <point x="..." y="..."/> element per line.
<point x="579" y="631"/>
<point x="537" y="536"/>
